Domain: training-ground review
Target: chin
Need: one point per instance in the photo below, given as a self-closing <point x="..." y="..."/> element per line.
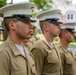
<point x="28" y="37"/>
<point x="72" y="41"/>
<point x="57" y="35"/>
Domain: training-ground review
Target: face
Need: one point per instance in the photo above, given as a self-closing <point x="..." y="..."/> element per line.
<point x="32" y="31"/>
<point x="23" y="30"/>
<point x="69" y="36"/>
<point x="54" y="29"/>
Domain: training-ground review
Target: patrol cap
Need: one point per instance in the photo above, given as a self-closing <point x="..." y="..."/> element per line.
<point x="21" y="11"/>
<point x="52" y="16"/>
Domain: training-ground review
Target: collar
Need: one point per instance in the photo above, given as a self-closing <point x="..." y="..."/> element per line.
<point x="13" y="47"/>
<point x="63" y="47"/>
<point x="47" y="42"/>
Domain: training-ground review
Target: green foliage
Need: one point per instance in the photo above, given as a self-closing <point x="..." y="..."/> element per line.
<point x="68" y="2"/>
<point x="2" y="3"/>
<point x="43" y="4"/>
<point x="37" y="36"/>
<point x="75" y="56"/>
<point x="34" y="13"/>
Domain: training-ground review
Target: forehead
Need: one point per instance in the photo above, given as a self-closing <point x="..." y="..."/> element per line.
<point x="55" y="24"/>
<point x="66" y="31"/>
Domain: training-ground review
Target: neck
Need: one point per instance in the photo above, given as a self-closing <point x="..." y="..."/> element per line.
<point x="49" y="38"/>
<point x="16" y="40"/>
<point x="65" y="43"/>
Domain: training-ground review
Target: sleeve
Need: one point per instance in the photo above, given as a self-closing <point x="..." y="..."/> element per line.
<point x="62" y="61"/>
<point x="39" y="59"/>
<point x="4" y="64"/>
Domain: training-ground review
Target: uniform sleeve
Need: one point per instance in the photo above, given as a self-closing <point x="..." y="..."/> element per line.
<point x="62" y="62"/>
<point x="4" y="65"/>
<point x="39" y="59"/>
<point x="62" y="58"/>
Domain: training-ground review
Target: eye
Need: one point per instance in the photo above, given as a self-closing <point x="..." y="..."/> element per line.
<point x="28" y="22"/>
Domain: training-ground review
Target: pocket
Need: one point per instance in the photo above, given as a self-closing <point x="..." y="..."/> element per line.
<point x="52" y="57"/>
<point x="23" y="72"/>
<point x="69" y="61"/>
<point x="33" y="70"/>
<point x="69" y="58"/>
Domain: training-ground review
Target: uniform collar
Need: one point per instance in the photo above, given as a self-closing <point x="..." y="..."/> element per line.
<point x="13" y="47"/>
<point x="63" y="47"/>
<point x="46" y="42"/>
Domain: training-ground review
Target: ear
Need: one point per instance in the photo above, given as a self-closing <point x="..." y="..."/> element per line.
<point x="46" y="28"/>
<point x="12" y="25"/>
<point x="64" y="34"/>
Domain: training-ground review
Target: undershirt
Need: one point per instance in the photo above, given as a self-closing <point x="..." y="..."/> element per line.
<point x="21" y="49"/>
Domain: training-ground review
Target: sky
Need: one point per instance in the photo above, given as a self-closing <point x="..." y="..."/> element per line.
<point x="73" y="1"/>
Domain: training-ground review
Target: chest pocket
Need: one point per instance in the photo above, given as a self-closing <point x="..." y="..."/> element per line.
<point x="24" y="72"/>
<point x="33" y="70"/>
<point x="52" y="57"/>
<point x="69" y="59"/>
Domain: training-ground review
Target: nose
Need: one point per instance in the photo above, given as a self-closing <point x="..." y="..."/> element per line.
<point x="59" y="27"/>
<point x="30" y="26"/>
<point x="73" y="34"/>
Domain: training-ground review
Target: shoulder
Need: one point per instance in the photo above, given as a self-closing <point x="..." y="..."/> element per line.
<point x="60" y="48"/>
<point x="40" y="45"/>
<point x="39" y="48"/>
<point x="4" y="48"/>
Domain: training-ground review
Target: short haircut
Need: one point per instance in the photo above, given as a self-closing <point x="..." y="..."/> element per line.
<point x="7" y="21"/>
<point x="61" y="32"/>
<point x="42" y="25"/>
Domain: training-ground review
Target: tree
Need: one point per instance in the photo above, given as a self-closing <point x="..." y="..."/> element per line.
<point x="61" y="3"/>
<point x="43" y="4"/>
<point x="3" y="3"/>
